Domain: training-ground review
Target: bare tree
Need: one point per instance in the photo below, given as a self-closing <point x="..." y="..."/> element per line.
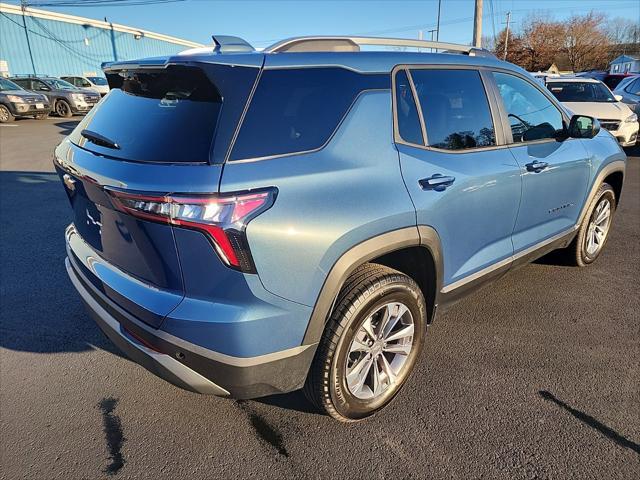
<point x="624" y="36"/>
<point x="515" y="51"/>
<point x="542" y="41"/>
<point x="583" y="42"/>
<point x="623" y="31"/>
<point x="586" y="42"/>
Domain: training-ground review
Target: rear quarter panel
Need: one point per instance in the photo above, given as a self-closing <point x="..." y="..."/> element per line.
<point x="328" y="201"/>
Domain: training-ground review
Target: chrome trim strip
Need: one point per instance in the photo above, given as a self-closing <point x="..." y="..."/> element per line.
<point x="506" y="261"/>
<point x="476" y="275"/>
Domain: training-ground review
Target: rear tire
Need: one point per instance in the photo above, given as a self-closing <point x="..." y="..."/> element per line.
<point x="594" y="229"/>
<point x="63" y="109"/>
<point x="370" y="344"/>
<point x="5" y="115"/>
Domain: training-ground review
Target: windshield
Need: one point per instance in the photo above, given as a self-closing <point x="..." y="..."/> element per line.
<point x="581" y="92"/>
<point x="98" y="80"/>
<point x="58" y="84"/>
<point x="8" y="85"/>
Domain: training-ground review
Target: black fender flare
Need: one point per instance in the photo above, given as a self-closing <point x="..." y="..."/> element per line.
<point x="361" y="253"/>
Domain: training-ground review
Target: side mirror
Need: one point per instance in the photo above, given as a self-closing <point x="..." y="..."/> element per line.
<point x="618" y="98"/>
<point x="43" y="88"/>
<point x="582" y="126"/>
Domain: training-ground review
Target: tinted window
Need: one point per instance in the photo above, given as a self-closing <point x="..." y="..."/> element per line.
<point x="406" y="111"/>
<point x="158" y="116"/>
<point x="40" y="86"/>
<point x="612" y="81"/>
<point x="532" y="115"/>
<point x="24" y="83"/>
<point x="98" y="80"/>
<point x="296" y="110"/>
<point x="455" y="108"/>
<point x="580" y="92"/>
<point x="59" y="84"/>
<point x="634" y="87"/>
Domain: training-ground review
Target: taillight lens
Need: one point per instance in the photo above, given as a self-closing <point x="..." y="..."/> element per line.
<point x="222" y="218"/>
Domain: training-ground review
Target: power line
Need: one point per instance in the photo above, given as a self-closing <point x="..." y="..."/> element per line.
<point x="96" y="3"/>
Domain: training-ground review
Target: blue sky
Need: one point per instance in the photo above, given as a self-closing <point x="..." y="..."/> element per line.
<point x="263" y="22"/>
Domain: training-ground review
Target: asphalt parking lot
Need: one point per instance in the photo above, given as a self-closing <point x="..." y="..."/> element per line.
<point x="537" y="376"/>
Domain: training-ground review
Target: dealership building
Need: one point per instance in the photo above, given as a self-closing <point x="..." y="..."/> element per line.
<point x="41" y="42"/>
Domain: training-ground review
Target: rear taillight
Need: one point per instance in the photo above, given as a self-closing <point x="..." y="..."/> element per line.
<point x="222" y="218"/>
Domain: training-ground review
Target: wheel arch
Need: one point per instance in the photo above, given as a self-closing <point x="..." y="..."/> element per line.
<point x="615" y="179"/>
<point x="414" y="251"/>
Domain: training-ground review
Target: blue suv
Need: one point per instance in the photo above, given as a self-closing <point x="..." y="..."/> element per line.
<point x="249" y="223"/>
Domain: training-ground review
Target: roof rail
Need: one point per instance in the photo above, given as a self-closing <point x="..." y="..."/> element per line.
<point x="352" y="44"/>
<point x="29" y="75"/>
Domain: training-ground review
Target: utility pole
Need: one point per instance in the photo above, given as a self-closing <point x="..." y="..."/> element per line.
<point x="506" y="38"/>
<point x="432" y="32"/>
<point x="477" y="25"/>
<point x="438" y="24"/>
<point x="23" y="6"/>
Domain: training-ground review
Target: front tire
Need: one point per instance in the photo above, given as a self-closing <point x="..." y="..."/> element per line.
<point x="5" y="115"/>
<point x="63" y="109"/>
<point x="370" y="344"/>
<point x="594" y="230"/>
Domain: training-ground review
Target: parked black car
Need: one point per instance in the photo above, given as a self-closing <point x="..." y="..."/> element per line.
<point x="15" y="101"/>
<point x="611" y="80"/>
<point x="66" y="99"/>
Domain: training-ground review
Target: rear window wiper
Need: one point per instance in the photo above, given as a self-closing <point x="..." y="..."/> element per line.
<point x="98" y="139"/>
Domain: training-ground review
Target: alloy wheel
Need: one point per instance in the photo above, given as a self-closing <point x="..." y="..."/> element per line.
<point x="4" y="114"/>
<point x="62" y="109"/>
<point x="598" y="227"/>
<point x="379" y="351"/>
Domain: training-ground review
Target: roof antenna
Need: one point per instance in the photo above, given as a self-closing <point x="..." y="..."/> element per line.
<point x="229" y="44"/>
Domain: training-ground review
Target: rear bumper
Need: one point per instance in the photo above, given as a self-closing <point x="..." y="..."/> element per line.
<point x="160" y="364"/>
<point x="191" y="366"/>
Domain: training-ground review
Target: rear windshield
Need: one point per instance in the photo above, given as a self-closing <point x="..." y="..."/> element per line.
<point x="165" y="116"/>
<point x="97" y="80"/>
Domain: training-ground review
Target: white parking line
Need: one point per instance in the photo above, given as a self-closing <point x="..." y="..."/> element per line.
<point x="8" y="125"/>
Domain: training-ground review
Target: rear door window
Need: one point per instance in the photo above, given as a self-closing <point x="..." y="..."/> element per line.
<point x="24" y="83"/>
<point x="455" y="108"/>
<point x="297" y="110"/>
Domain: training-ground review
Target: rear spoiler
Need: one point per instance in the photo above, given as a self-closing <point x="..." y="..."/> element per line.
<point x="153" y="62"/>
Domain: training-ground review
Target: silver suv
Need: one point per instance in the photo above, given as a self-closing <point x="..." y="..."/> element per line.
<point x="66" y="99"/>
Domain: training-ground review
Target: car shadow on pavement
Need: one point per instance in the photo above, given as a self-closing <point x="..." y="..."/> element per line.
<point x="289" y="401"/>
<point x="67" y="127"/>
<point x="40" y="310"/>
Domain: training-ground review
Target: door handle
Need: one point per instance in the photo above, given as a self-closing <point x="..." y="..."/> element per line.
<point x="437" y="182"/>
<point x="536" y="166"/>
